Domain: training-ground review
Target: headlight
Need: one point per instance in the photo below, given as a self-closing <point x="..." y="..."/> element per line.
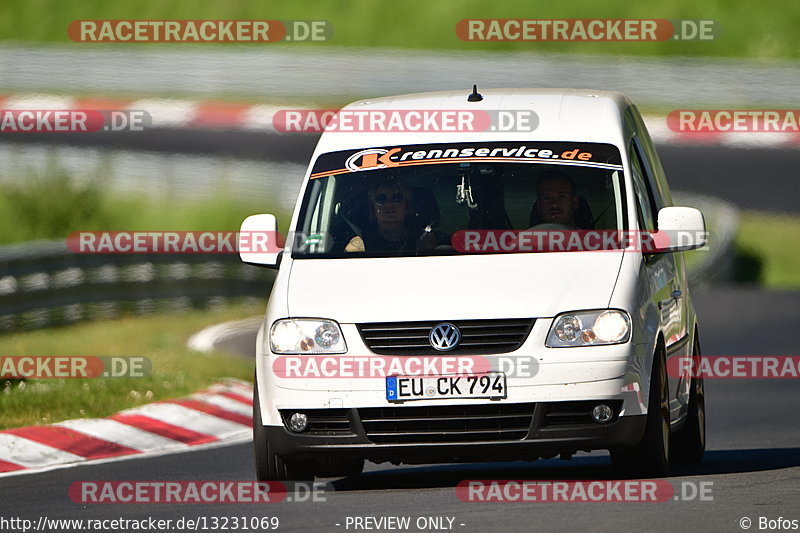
<point x="304" y="336"/>
<point x="589" y="328"/>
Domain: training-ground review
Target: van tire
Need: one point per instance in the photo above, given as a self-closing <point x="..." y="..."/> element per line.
<point x="689" y="443"/>
<point x="650" y="457"/>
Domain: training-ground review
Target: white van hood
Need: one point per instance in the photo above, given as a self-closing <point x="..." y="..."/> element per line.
<point x="452" y="287"/>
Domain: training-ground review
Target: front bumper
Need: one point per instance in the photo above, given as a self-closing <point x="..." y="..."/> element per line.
<point x="364" y="438"/>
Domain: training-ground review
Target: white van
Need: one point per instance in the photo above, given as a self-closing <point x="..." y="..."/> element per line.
<point x="443" y="297"/>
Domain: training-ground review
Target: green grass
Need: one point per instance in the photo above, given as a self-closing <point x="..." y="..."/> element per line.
<point x="176" y="370"/>
<point x="53" y="205"/>
<point x="768" y="246"/>
<point x="748" y="28"/>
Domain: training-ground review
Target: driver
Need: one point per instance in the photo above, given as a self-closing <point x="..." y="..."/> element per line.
<point x="390" y="207"/>
<point x="557" y="202"/>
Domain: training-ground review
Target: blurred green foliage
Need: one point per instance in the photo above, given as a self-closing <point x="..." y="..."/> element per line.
<point x="768" y="250"/>
<point x="748" y="28"/>
<point x="54" y="205"/>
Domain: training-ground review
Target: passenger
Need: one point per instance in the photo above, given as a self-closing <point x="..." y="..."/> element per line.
<point x="557" y="202"/>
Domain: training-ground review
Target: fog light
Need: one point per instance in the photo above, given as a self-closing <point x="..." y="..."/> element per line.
<point x="298" y="422"/>
<point x="602" y="413"/>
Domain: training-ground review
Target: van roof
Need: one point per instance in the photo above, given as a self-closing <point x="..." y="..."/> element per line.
<point x="579" y="115"/>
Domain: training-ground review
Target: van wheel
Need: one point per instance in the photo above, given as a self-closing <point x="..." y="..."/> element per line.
<point x="270" y="467"/>
<point x="650" y="458"/>
<point x="689" y="443"/>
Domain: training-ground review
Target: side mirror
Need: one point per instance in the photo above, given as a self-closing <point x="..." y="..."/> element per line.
<point x="679" y="229"/>
<point x="259" y="241"/>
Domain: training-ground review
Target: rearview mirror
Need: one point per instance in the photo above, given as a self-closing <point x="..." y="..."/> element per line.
<point x="259" y="242"/>
<point x="679" y="229"/>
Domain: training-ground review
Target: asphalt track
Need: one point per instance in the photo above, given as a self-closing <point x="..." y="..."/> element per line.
<point x="753" y="457"/>
<point x="753" y="460"/>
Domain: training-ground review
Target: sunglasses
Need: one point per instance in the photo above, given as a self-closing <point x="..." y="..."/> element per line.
<point x="382" y="198"/>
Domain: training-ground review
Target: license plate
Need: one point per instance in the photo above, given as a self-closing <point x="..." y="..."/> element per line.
<point x="490" y="385"/>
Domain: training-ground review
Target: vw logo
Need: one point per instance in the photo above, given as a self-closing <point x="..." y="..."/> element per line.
<point x="444" y="336"/>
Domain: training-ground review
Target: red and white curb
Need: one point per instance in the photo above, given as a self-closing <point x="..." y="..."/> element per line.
<point x="221" y="414"/>
<point x="164" y="113"/>
<point x="199" y="114"/>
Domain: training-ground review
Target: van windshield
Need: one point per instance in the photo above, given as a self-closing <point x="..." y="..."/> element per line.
<point x="442" y="199"/>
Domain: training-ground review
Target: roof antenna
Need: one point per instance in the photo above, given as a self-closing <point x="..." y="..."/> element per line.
<point x="475" y="96"/>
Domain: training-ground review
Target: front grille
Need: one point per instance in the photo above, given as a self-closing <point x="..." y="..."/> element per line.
<point x="477" y="336"/>
<point x="329" y="422"/>
<point x="559" y="414"/>
<point x="447" y="423"/>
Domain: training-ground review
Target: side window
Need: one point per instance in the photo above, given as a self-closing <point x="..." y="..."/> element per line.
<point x="653" y="171"/>
<point x="646" y="208"/>
<point x="648" y="174"/>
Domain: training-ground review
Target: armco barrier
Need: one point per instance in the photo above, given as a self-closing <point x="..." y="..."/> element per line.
<point x="43" y="284"/>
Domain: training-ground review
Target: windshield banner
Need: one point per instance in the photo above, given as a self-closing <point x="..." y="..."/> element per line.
<point x="598" y="155"/>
